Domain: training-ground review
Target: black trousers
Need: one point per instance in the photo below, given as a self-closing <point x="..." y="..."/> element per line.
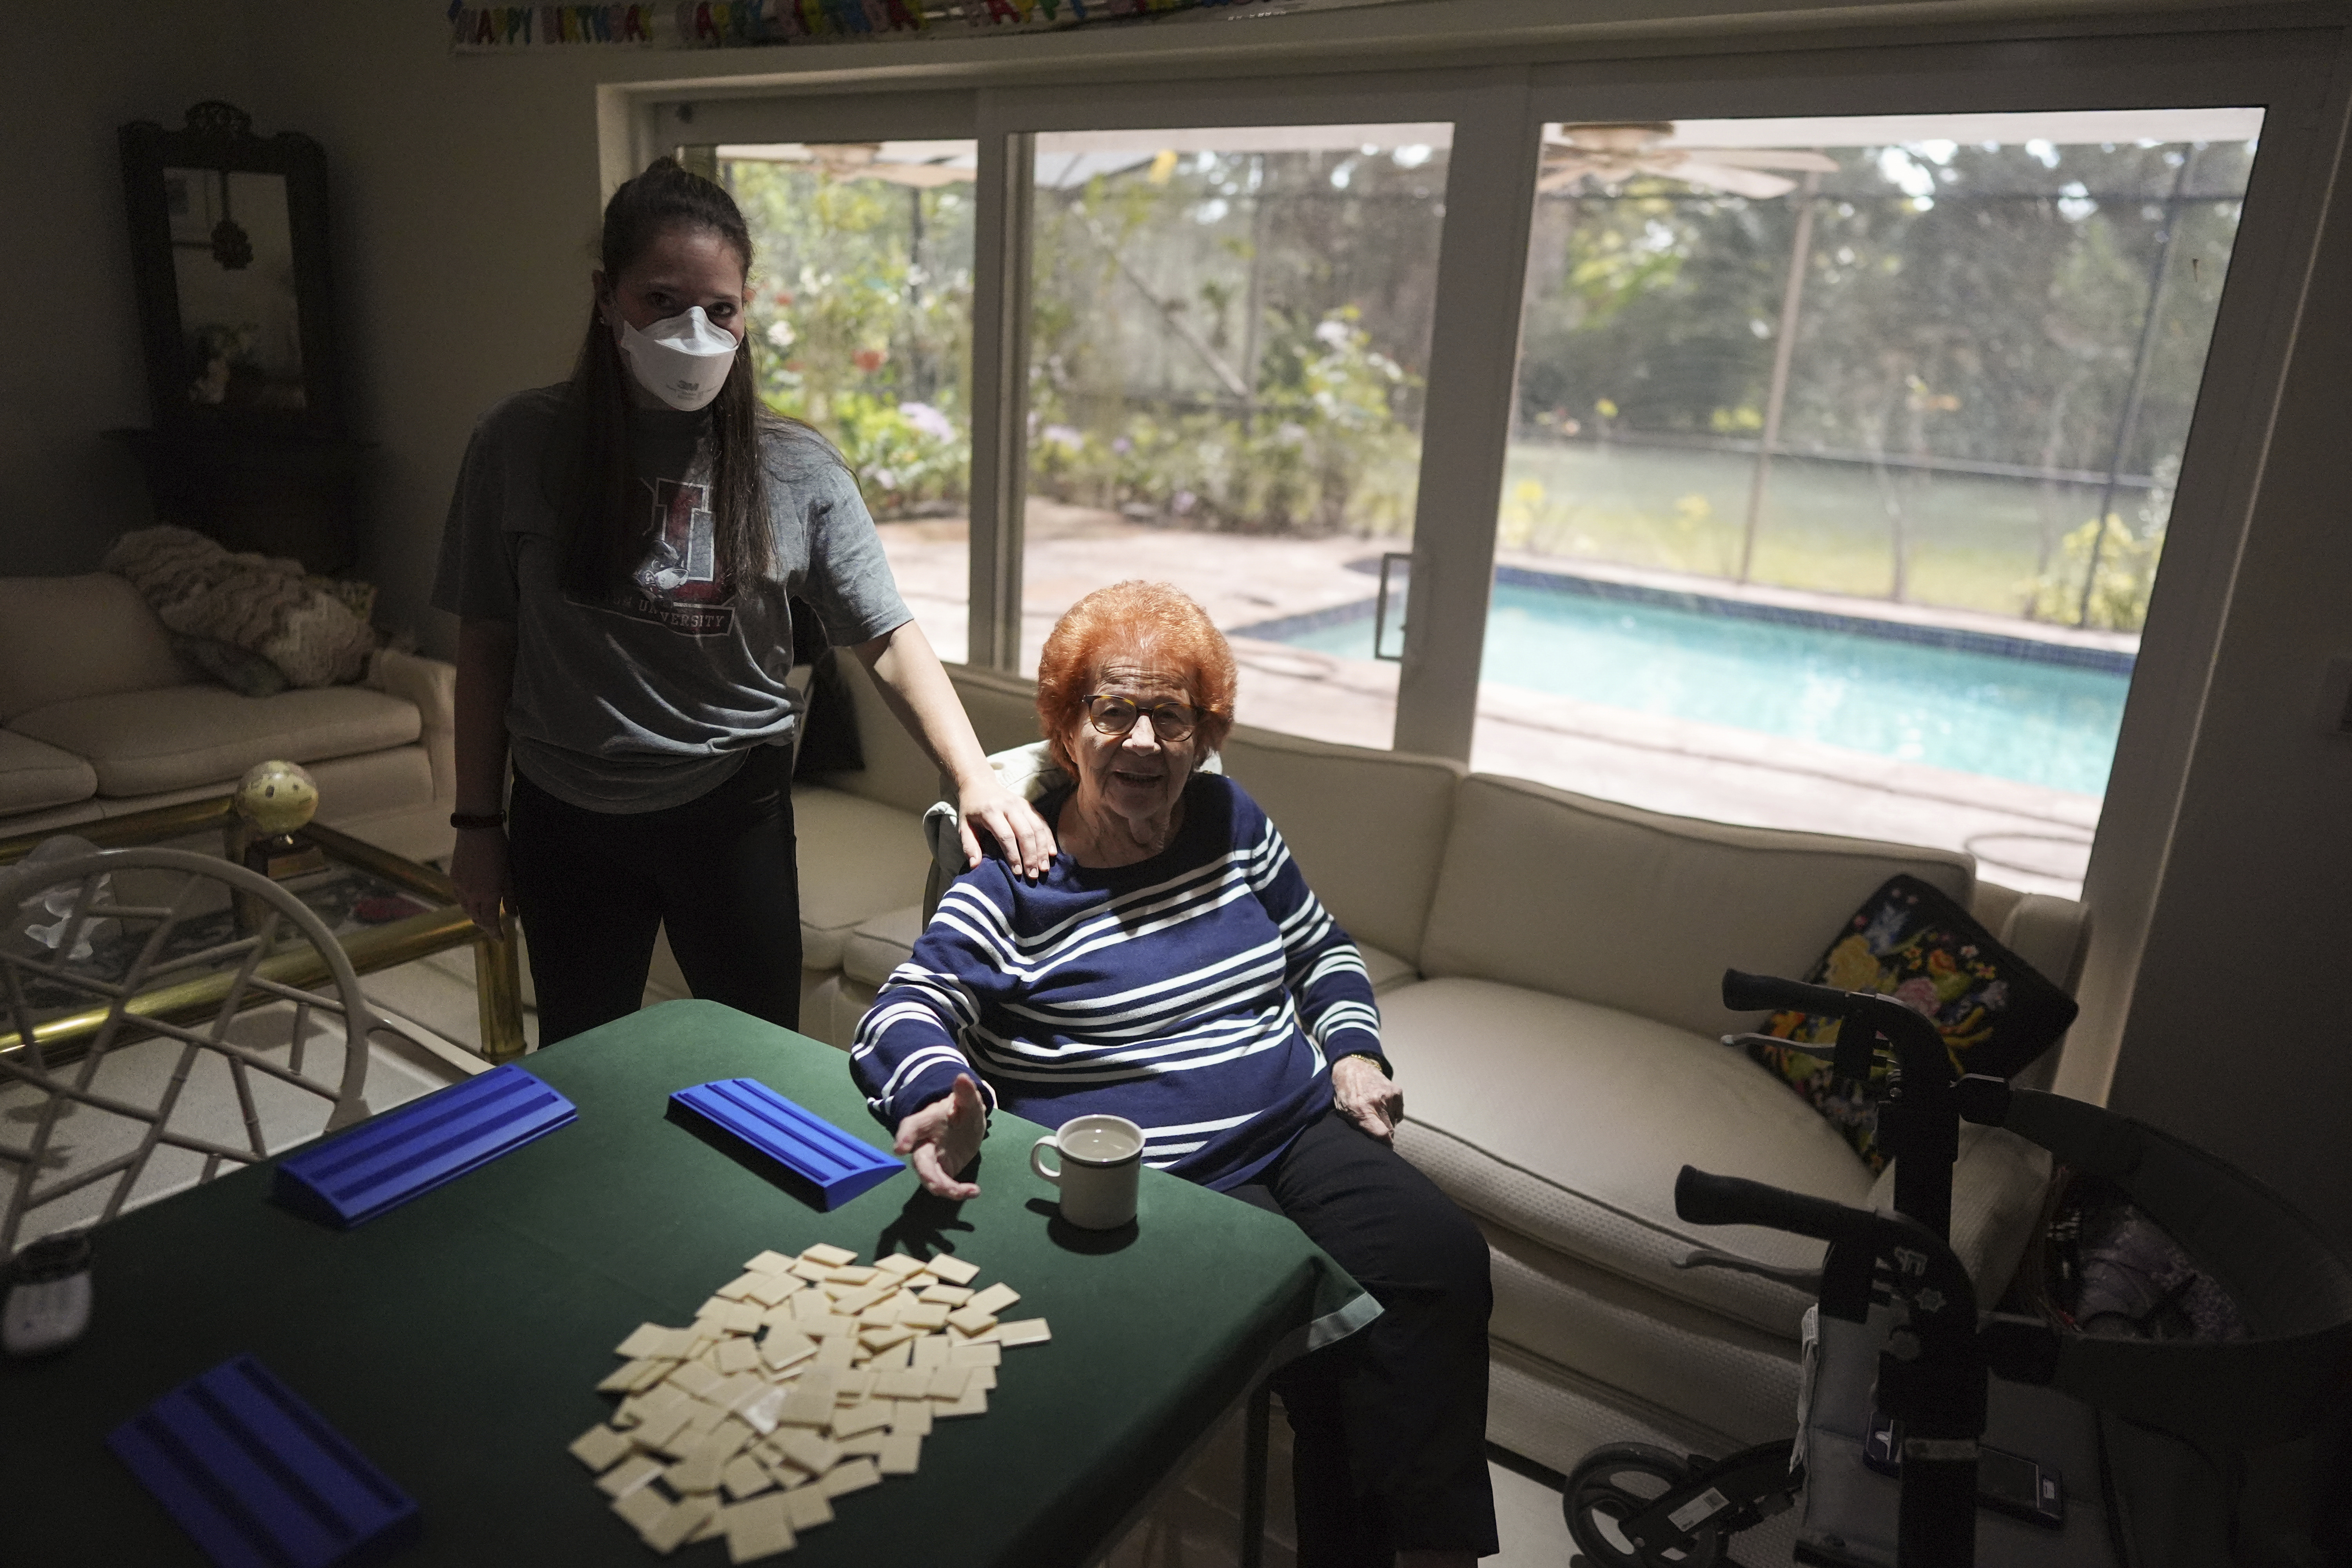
<point x="1389" y="1425"/>
<point x="592" y="888"/>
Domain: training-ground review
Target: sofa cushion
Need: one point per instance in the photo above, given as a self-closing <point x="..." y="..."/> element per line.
<point x="897" y="772"/>
<point x="1643" y="912"/>
<point x="181" y="737"/>
<point x="859" y="859"/>
<point x="34" y="776"/>
<point x="1366" y="827"/>
<point x="62" y="638"/>
<point x="1567" y="1123"/>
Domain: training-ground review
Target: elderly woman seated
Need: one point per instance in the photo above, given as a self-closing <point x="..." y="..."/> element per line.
<point x="1172" y="967"/>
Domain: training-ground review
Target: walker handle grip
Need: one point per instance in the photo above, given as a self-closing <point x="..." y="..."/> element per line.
<point x="1745" y="993"/>
<point x="1705" y="1199"/>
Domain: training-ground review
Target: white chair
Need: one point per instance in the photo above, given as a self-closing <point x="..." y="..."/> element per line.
<point x="160" y="975"/>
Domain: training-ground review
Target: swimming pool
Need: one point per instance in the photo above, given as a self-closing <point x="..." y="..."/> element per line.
<point x="2021" y="718"/>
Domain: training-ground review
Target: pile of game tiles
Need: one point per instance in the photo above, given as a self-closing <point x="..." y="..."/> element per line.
<point x="805" y="1379"/>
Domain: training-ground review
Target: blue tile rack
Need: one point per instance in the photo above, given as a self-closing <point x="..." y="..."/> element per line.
<point x="808" y="1146"/>
<point x="395" y="1157"/>
<point x="258" y="1478"/>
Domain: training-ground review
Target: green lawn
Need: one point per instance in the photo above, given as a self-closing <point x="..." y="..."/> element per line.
<point x="1975" y="542"/>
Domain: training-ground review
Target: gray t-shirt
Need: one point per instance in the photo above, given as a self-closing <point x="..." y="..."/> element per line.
<point x="655" y="694"/>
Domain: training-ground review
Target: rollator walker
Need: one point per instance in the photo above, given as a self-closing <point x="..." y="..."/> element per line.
<point x="1931" y="1435"/>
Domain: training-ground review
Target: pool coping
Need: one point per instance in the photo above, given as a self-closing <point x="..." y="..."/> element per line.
<point x="2075" y="652"/>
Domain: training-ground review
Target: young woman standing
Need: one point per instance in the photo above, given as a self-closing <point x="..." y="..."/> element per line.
<point x="620" y="552"/>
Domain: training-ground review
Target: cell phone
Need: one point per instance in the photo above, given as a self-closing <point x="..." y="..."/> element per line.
<point x="2006" y="1482"/>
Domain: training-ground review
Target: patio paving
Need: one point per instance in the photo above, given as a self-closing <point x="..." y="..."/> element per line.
<point x="2023" y="835"/>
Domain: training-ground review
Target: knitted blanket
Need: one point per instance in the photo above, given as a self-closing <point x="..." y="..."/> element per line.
<point x="267" y="607"/>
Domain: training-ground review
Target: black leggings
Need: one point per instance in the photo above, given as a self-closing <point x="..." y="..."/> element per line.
<point x="1389" y="1425"/>
<point x="592" y="887"/>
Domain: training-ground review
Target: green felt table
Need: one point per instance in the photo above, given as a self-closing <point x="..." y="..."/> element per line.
<point x="457" y="1341"/>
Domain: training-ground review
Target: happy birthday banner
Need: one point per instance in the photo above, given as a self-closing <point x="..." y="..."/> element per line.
<point x="755" y="24"/>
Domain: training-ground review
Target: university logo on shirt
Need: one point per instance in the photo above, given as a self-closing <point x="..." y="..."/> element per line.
<point x="677" y="586"/>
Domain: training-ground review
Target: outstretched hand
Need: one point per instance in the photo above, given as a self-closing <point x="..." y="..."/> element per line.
<point x="1366" y="1097"/>
<point x="944" y="1137"/>
<point x="1027" y="842"/>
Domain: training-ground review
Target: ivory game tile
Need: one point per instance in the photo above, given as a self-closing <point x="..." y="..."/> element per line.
<point x="645" y="1340"/>
<point x="827" y="1254"/>
<point x="600" y="1447"/>
<point x="786" y="1347"/>
<point x="739" y="1355"/>
<point x="643" y="1507"/>
<point x="679" y="1526"/>
<point x="911" y="1416"/>
<point x="947" y="1383"/>
<point x="900" y="1264"/>
<point x="910" y="1383"/>
<point x="930" y="1351"/>
<point x="761" y="1414"/>
<point x="995" y="1298"/>
<point x="628" y="1476"/>
<point x="972" y="1318"/>
<point x="622" y="1378"/>
<point x="858" y="1418"/>
<point x="769" y="1290"/>
<point x="736" y="1288"/>
<point x="757" y="1529"/>
<point x="808" y="1507"/>
<point x="850" y="1387"/>
<point x="811" y="1271"/>
<point x="838" y="1352"/>
<point x="768" y="1262"/>
<point x="743" y="1317"/>
<point x="974" y="1403"/>
<point x="744" y="1477"/>
<point x="698" y="1472"/>
<point x="925" y="1315"/>
<point x="975" y="1355"/>
<point x="902" y="1454"/>
<point x="953" y="1270"/>
<point x="864" y="1444"/>
<point x="945" y="1294"/>
<point x="812" y="1453"/>
<point x="850" y="1274"/>
<point x="883" y="1338"/>
<point x="855" y="1475"/>
<point x="1023" y="1332"/>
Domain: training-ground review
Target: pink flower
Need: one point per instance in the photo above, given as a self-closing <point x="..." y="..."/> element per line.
<point x="1919" y="994"/>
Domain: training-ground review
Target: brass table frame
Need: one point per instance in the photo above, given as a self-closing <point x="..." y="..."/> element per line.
<point x="497" y="975"/>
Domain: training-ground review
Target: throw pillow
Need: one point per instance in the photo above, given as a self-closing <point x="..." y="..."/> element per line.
<point x="266" y="606"/>
<point x="246" y="674"/>
<point x="1911" y="943"/>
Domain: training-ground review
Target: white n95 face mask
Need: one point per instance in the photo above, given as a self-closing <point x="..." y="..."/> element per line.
<point x="682" y="359"/>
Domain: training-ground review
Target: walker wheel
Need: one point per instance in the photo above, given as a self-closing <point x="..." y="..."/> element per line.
<point x="1617" y="1482"/>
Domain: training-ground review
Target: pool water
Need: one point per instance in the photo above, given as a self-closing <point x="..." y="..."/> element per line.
<point x="2048" y="724"/>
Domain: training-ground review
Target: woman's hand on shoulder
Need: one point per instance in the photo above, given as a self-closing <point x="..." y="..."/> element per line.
<point x="1028" y="844"/>
<point x="1366" y="1097"/>
<point x="943" y="1137"/>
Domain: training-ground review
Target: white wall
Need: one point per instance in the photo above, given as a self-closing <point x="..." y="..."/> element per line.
<point x="72" y="364"/>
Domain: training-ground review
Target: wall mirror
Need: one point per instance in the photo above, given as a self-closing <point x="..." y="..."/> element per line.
<point x="228" y="236"/>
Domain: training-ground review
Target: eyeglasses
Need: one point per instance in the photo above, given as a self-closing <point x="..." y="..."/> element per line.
<point x="1116" y="716"/>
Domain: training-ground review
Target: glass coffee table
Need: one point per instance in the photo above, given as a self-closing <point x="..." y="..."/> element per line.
<point x="383" y="911"/>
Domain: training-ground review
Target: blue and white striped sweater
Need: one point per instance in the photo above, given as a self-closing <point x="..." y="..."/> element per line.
<point x="1202" y="993"/>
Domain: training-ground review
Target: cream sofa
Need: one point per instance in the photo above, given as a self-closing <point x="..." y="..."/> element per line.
<point x="1548" y="969"/>
<point x="98" y="720"/>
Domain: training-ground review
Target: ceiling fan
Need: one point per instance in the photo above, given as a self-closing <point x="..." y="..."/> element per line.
<point x="1610" y="153"/>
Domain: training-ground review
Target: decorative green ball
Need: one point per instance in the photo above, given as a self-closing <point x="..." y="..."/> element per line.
<point x="276" y="797"/>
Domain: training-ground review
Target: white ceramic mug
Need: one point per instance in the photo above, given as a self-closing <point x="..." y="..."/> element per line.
<point x="1101" y="1158"/>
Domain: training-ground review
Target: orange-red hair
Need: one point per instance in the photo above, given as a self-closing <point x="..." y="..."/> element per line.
<point x="1134" y="617"/>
